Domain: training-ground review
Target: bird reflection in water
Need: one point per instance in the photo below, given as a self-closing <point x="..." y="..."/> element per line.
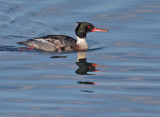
<point x="85" y="67"/>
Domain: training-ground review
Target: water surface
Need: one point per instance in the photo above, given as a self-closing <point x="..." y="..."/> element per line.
<point x="119" y="77"/>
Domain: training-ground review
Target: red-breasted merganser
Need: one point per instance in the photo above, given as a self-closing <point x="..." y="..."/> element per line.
<point x="64" y="43"/>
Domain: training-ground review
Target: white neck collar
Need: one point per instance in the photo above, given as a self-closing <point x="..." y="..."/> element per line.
<point x="82" y="42"/>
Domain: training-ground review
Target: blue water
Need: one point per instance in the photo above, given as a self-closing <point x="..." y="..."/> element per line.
<point x="38" y="84"/>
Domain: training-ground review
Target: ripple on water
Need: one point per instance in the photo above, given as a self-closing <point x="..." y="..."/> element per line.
<point x="14" y="87"/>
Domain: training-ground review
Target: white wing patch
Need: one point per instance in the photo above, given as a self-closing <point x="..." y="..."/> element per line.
<point x="43" y="40"/>
<point x="50" y="41"/>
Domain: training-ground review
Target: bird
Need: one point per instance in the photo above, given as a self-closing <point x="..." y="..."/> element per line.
<point x="61" y="43"/>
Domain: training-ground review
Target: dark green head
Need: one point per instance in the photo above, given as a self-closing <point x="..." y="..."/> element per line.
<point x="84" y="27"/>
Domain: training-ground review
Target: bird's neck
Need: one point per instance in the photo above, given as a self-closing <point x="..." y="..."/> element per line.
<point x="81" y="43"/>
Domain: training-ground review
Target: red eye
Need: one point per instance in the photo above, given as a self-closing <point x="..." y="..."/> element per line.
<point x="88" y="27"/>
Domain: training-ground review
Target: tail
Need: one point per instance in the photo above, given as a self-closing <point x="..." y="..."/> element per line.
<point x="25" y="42"/>
<point x="22" y="42"/>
